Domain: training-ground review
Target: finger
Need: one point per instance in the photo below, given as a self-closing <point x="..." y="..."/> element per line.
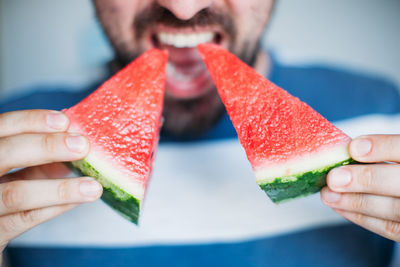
<point x="32" y="121"/>
<point x="26" y="195"/>
<point x="27" y="150"/>
<point x="47" y="171"/>
<point x="380" y="179"/>
<point x="382" y="207"/>
<point x="376" y="148"/>
<point x="15" y="224"/>
<point x="386" y="228"/>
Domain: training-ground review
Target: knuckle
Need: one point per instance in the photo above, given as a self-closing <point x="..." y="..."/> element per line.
<point x="358" y="218"/>
<point x="14" y="121"/>
<point x="32" y="119"/>
<point x="7" y="119"/>
<point x="391" y="142"/>
<point x="5" y="163"/>
<point x="392" y="229"/>
<point x="11" y="196"/>
<point x="393" y="146"/>
<point x="28" y="217"/>
<point x="359" y="202"/>
<point x="396" y="210"/>
<point x="20" y="119"/>
<point x="366" y="177"/>
<point x="64" y="192"/>
<point x="19" y="221"/>
<point x="8" y="224"/>
<point x="48" y="143"/>
<point x="29" y="118"/>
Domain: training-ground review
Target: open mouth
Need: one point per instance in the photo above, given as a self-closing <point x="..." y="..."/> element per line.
<point x="187" y="76"/>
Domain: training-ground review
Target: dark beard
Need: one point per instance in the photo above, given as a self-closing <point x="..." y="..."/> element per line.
<point x="189" y="118"/>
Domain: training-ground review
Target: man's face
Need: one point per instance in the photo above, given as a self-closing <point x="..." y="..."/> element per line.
<point x="192" y="104"/>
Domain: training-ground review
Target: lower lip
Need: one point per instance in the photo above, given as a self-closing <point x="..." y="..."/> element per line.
<point x="193" y="88"/>
<point x="189" y="88"/>
<point x="190" y="77"/>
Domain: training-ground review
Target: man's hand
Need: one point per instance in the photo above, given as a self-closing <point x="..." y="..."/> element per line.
<point x="34" y="140"/>
<point x="369" y="195"/>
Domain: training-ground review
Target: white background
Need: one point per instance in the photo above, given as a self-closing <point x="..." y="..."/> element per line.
<point x="54" y="41"/>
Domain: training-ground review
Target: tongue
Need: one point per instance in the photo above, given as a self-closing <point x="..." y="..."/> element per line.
<point x="185" y="71"/>
<point x="179" y="56"/>
<point x="187" y="76"/>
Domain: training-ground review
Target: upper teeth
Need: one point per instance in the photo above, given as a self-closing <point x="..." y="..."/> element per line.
<point x="185" y="39"/>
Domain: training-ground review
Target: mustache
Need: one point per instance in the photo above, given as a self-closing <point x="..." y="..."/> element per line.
<point x="156" y="14"/>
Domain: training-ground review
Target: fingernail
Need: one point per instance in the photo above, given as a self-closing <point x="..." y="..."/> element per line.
<point x="90" y="188"/>
<point x="360" y="147"/>
<point x="76" y="143"/>
<point x="56" y="120"/>
<point x="339" y="177"/>
<point x="330" y="196"/>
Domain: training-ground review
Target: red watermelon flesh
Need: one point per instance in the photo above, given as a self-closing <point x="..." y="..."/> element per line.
<point x="122" y="119"/>
<point x="289" y="145"/>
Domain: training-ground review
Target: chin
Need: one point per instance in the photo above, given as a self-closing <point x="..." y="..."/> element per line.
<point x="192" y="117"/>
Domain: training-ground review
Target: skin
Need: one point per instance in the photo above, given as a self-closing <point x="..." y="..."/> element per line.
<point x="128" y="25"/>
<point x="369" y="195"/>
<point x="37" y="140"/>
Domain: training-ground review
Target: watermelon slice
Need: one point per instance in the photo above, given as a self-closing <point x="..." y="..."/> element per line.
<point x="289" y="145"/>
<point x="122" y="122"/>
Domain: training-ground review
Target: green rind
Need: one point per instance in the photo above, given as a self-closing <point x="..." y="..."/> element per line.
<point x="125" y="204"/>
<point x="283" y="189"/>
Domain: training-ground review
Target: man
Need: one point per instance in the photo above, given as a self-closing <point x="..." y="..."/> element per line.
<point x="202" y="207"/>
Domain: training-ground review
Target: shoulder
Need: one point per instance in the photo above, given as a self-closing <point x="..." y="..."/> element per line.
<point x="338" y="93"/>
<point x="45" y="97"/>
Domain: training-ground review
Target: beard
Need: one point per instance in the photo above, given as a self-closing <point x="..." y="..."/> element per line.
<point x="188" y="118"/>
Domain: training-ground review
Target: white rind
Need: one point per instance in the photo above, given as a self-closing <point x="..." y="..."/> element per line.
<point x="127" y="182"/>
<point x="314" y="161"/>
